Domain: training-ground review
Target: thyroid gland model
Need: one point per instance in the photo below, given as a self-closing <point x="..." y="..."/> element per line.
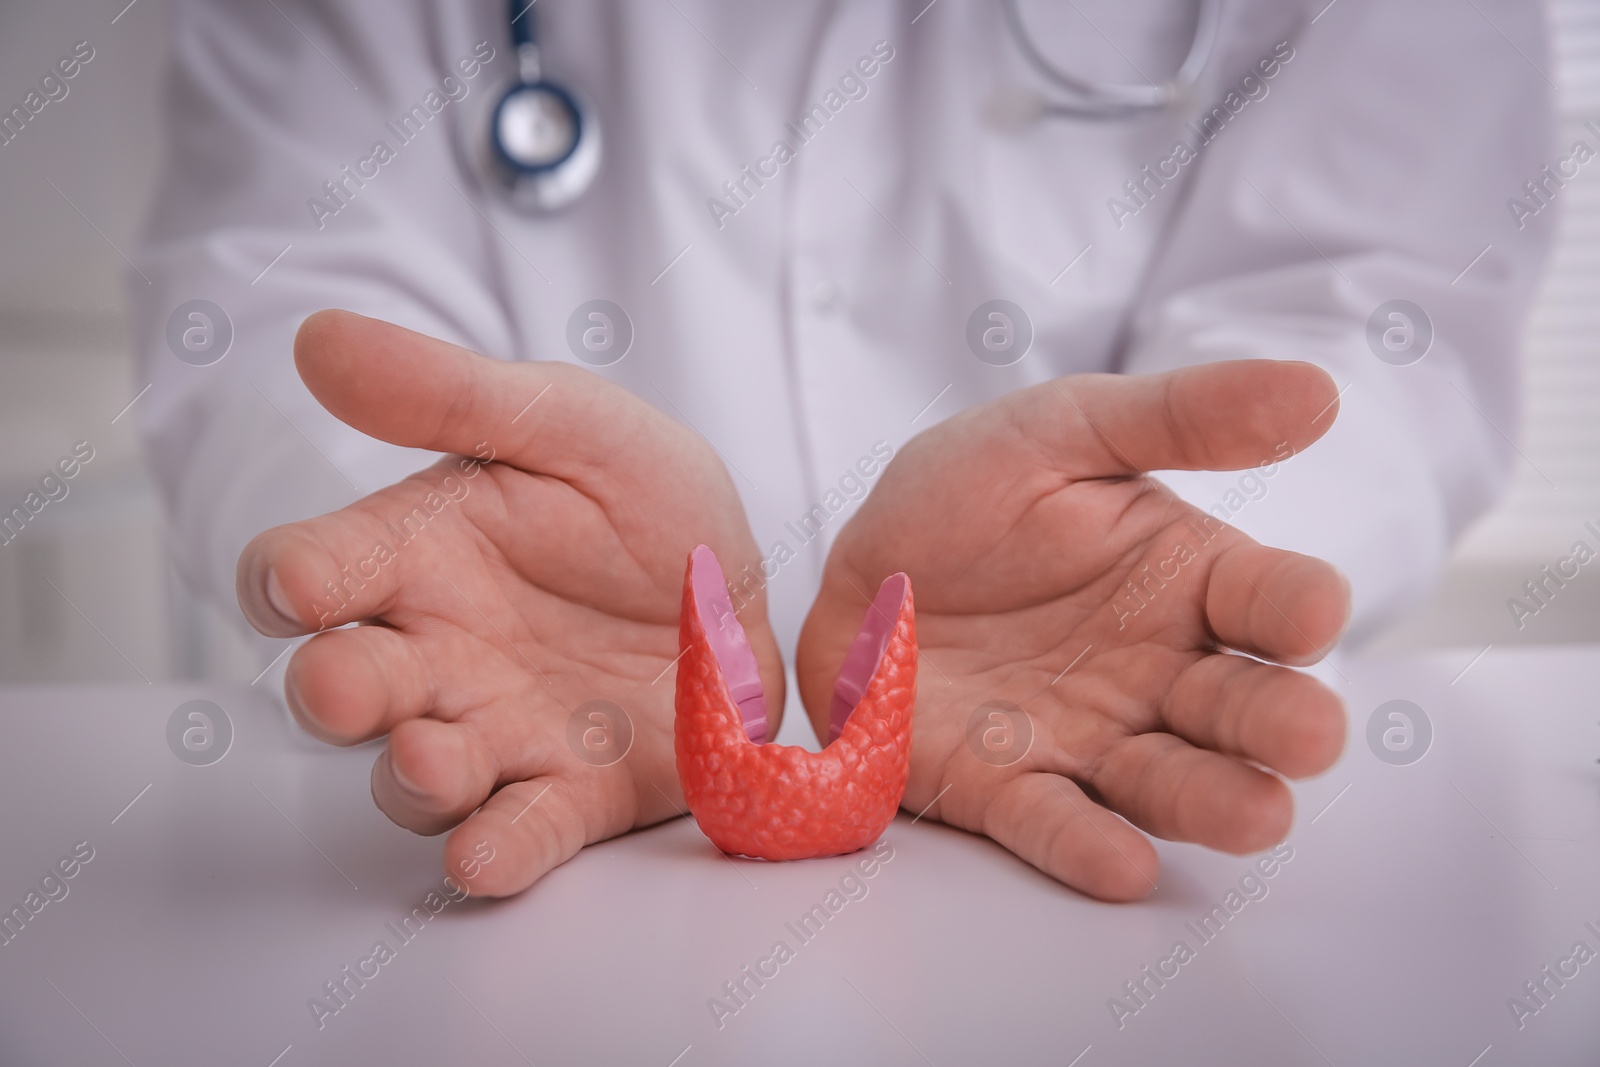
<point x="781" y="802"/>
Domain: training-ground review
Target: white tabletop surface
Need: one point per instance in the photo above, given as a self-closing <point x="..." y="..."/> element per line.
<point x="1418" y="901"/>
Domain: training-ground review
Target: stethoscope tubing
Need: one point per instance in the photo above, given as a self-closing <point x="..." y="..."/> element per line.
<point x="550" y="186"/>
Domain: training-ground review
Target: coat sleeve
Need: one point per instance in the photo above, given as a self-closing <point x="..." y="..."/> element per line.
<point x="1383" y="164"/>
<point x="273" y="110"/>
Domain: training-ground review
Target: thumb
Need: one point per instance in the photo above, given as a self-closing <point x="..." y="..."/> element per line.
<point x="1214" y="416"/>
<point x="410" y="389"/>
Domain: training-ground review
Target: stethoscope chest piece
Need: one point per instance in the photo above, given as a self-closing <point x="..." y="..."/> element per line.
<point x="544" y="144"/>
<point x="1083" y="98"/>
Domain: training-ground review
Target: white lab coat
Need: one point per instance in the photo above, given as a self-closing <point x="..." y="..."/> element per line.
<point x="829" y="311"/>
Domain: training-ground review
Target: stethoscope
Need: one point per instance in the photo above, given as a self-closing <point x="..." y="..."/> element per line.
<point x="544" y="138"/>
<point x="1103" y="100"/>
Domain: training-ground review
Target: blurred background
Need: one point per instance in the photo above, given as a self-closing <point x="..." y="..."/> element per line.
<point x="87" y="593"/>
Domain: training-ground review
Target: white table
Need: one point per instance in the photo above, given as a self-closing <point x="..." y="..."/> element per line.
<point x="1417" y="902"/>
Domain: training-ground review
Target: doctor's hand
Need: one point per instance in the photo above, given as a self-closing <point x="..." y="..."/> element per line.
<point x="502" y="597"/>
<point x="1076" y="619"/>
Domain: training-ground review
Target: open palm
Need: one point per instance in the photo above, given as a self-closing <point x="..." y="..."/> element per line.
<point x="1075" y="620"/>
<point x="503" y="597"/>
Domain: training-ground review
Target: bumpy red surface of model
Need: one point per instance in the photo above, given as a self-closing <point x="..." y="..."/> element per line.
<point x="782" y="802"/>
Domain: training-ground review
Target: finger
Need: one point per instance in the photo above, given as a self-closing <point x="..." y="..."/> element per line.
<point x="1049" y="822"/>
<point x="349" y="686"/>
<point x="524" y="831"/>
<point x="433" y="774"/>
<point x="410" y="389"/>
<point x="1216" y="416"/>
<point x="1276" y="604"/>
<point x="1277" y="717"/>
<point x="1167" y="787"/>
<point x="341" y="567"/>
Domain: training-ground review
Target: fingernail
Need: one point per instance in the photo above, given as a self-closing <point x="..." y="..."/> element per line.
<point x="291" y="692"/>
<point x="278" y="598"/>
<point x="405" y="783"/>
